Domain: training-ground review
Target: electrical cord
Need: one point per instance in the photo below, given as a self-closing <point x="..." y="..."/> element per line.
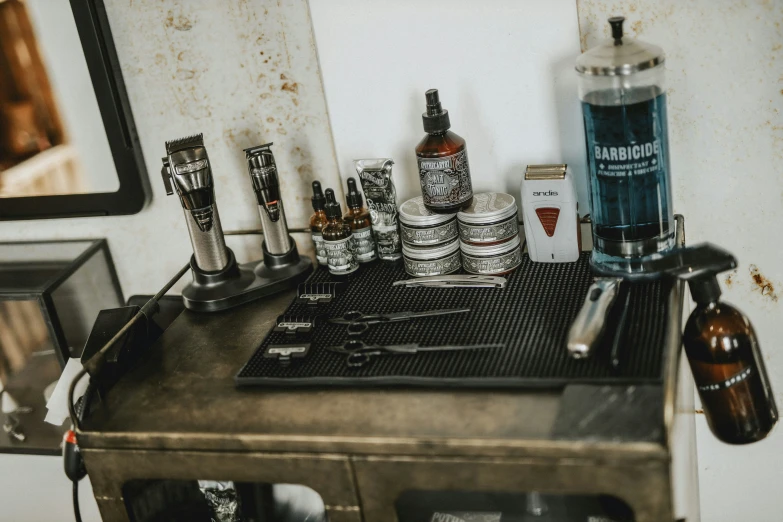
<point x="95" y="363"/>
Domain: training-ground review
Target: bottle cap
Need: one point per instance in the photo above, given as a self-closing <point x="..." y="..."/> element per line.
<point x="354" y="198"/>
<point x="332" y="206"/>
<point x="436" y="119"/>
<point x="705" y="289"/>
<point x="318" y="199"/>
<point x="619" y="55"/>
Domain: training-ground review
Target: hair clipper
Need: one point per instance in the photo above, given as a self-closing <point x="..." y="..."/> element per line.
<point x="263" y="173"/>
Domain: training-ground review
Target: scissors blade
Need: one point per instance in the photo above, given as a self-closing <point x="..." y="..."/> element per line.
<point x="402" y="316"/>
<point x="459" y="347"/>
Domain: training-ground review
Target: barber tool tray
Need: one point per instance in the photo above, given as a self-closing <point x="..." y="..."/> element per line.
<point x="519" y="332"/>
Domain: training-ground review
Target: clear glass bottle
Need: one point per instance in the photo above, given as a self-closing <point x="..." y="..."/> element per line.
<point x="623" y="94"/>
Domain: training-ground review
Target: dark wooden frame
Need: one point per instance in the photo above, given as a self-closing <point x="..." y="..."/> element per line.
<point x="134" y="192"/>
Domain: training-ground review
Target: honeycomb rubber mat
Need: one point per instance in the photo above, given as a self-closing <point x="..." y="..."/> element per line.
<point x="530" y="317"/>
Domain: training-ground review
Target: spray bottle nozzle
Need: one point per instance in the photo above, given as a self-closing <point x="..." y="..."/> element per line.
<point x="436" y="119"/>
<point x="433" y="102"/>
<point x="699" y="265"/>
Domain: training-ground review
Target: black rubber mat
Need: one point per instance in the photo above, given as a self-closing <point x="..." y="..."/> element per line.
<point x="531" y="317"/>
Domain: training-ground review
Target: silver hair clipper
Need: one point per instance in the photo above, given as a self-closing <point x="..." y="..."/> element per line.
<point x="263" y="173"/>
<point x="187" y="170"/>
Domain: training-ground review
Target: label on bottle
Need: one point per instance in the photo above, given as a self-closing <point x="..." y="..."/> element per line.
<point x="320" y="249"/>
<point x="728" y="383"/>
<point x="628" y="161"/>
<point x="445" y="181"/>
<point x="363" y="245"/>
<point x="341" y="259"/>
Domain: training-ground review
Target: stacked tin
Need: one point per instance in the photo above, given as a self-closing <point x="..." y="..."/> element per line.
<point x="489" y="234"/>
<point x="430" y="241"/>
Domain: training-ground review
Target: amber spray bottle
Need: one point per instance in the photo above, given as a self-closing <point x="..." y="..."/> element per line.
<point x="358" y="218"/>
<point x="317" y="222"/>
<point x="443" y="161"/>
<point x="338" y="239"/>
<point x="723" y="353"/>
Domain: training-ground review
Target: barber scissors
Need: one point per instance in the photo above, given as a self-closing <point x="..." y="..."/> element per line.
<point x="360" y="354"/>
<point x="359" y="322"/>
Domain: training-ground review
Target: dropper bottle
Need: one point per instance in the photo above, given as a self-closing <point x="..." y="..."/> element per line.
<point x="317" y="222"/>
<point x="358" y="218"/>
<point x="442" y="156"/>
<point x="338" y="239"/>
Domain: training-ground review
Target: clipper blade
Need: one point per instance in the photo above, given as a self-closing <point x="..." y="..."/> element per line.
<point x="196" y="140"/>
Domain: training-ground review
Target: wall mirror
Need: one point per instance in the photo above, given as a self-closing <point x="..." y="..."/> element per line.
<point x="68" y="143"/>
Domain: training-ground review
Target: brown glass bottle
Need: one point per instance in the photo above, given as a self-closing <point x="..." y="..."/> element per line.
<point x="728" y="368"/>
<point x="338" y="239"/>
<point x="358" y="218"/>
<point x="317" y="222"/>
<point x="442" y="156"/>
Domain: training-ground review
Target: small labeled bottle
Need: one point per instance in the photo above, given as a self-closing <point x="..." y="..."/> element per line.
<point x="443" y="162"/>
<point x="727" y="366"/>
<point x="338" y="239"/>
<point x="317" y="222"/>
<point x="358" y="218"/>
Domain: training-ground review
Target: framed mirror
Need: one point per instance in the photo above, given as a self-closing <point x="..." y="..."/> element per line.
<point x="68" y="143"/>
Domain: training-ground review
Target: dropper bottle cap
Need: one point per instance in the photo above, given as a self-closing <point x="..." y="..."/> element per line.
<point x="436" y="119"/>
<point x="332" y="206"/>
<point x="354" y="198"/>
<point x="318" y="196"/>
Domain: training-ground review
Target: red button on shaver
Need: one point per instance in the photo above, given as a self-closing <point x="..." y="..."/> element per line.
<point x="548" y="218"/>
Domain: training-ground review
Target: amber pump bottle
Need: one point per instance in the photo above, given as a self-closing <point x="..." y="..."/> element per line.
<point x="317" y="222"/>
<point x="722" y="349"/>
<point x="338" y="239"/>
<point x="358" y="218"/>
<point x="442" y="156"/>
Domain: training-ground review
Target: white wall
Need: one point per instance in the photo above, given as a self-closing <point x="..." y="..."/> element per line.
<point x="726" y="135"/>
<point x="505" y="77"/>
<point x="59" y="44"/>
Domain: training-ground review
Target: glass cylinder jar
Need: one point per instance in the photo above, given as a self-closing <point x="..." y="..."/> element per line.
<point x="623" y="94"/>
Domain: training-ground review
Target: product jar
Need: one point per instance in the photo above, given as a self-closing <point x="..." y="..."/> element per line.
<point x="420" y="226"/>
<point x="431" y="261"/>
<point x="490" y="219"/>
<point x="497" y="259"/>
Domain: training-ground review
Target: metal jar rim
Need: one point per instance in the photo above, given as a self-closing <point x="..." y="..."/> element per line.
<point x="490" y="250"/>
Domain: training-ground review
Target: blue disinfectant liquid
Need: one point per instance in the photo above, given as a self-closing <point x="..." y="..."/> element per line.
<point x="630" y="191"/>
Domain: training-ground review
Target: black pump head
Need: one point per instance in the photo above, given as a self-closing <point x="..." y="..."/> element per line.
<point x="332" y="206"/>
<point x="617" y="29"/>
<point x="354" y="198"/>
<point x="318" y="199"/>
<point x="436" y="119"/>
<point x="699" y="265"/>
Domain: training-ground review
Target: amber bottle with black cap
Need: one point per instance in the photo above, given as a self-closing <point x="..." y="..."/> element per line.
<point x="317" y="222"/>
<point x="723" y="351"/>
<point x="442" y="156"/>
<point x="338" y="239"/>
<point x="358" y="218"/>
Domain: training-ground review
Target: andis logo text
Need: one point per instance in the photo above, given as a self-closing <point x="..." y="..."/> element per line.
<point x="547" y="193"/>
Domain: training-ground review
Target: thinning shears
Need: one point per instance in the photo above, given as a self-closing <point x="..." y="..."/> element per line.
<point x="359" y="322"/>
<point x="360" y="354"/>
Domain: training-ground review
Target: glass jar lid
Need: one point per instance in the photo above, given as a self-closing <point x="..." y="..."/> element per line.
<point x="488" y="207"/>
<point x="619" y="55"/>
<point x="490" y="250"/>
<point x="414" y="213"/>
<point x="430" y="253"/>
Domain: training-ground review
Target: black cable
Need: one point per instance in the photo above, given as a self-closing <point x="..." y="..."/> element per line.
<point x="94" y="365"/>
<point x="77" y="514"/>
